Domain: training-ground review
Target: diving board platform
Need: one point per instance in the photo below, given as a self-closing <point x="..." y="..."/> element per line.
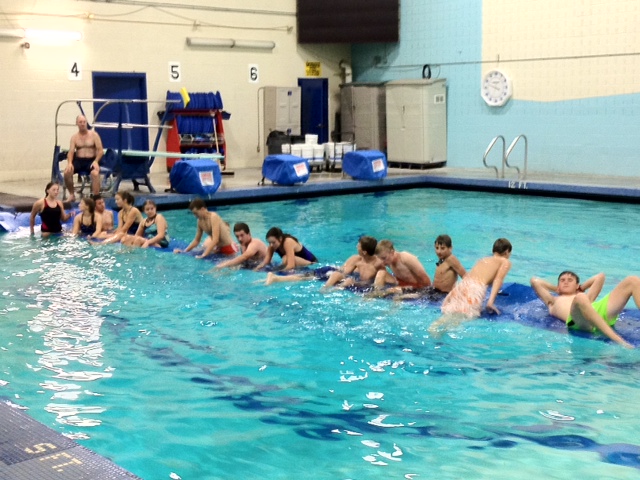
<point x="151" y="153"/>
<point x="30" y="450"/>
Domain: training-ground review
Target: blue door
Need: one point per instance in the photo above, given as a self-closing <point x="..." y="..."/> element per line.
<point x="122" y="86"/>
<point x="315" y="107"/>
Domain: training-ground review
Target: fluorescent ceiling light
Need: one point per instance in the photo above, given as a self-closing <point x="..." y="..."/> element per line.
<point x="230" y="43"/>
<point x="52" y="35"/>
<point x="11" y="33"/>
<point x="210" y="42"/>
<point x="255" y="44"/>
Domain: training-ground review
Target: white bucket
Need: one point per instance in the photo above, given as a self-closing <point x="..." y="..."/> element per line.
<point x="329" y="150"/>
<point x="286" y="148"/>
<point x="311" y="139"/>
<point x="347" y="147"/>
<point x="307" y="151"/>
<point x="296" y="150"/>
<point x="318" y="152"/>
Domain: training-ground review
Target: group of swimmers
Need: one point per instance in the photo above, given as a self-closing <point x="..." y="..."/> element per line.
<point x="96" y="222"/>
<point x="376" y="267"/>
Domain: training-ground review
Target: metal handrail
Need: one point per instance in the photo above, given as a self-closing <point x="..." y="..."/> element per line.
<point x="526" y="154"/>
<point x="486" y="153"/>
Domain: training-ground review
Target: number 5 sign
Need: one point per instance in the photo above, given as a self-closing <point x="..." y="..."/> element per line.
<point x="174" y="72"/>
<point x="254" y="77"/>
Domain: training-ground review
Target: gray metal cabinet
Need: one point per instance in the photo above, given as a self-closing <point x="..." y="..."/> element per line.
<point x="282" y="110"/>
<point x="363" y="119"/>
<point x="417" y="121"/>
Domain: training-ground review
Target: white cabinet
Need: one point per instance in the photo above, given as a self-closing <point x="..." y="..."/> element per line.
<point x="417" y="121"/>
<point x="363" y="119"/>
<point x="282" y="110"/>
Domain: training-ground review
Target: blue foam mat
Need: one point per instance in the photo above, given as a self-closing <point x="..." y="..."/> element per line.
<point x="516" y="302"/>
<point x="519" y="303"/>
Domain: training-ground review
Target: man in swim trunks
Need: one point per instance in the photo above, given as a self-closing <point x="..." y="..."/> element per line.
<point x="464" y="302"/>
<point x="408" y="272"/>
<point x="576" y="305"/>
<point x="253" y="249"/>
<point x="219" y="239"/>
<point x="85" y="152"/>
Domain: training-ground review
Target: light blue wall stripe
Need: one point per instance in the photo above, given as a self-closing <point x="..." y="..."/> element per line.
<point x="589" y="136"/>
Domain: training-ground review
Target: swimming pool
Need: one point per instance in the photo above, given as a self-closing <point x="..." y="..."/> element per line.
<point x="151" y="361"/>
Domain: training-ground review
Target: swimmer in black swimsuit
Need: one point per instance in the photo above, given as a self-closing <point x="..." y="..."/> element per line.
<point x="88" y="223"/>
<point x="129" y="217"/>
<point x="293" y="253"/>
<point x="152" y="232"/>
<point x="51" y="212"/>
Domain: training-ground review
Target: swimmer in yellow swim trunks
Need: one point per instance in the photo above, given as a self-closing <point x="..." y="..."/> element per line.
<point x="576" y="305"/>
<point x="464" y="302"/>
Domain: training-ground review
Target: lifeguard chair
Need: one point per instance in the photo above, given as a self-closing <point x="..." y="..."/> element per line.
<point x="117" y="164"/>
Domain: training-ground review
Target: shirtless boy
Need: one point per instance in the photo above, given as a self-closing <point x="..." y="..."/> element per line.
<point x="107" y="214"/>
<point x="407" y="270"/>
<point x="219" y="239"/>
<point x="464" y="302"/>
<point x="85" y="152"/>
<point x="576" y="305"/>
<point x="360" y="269"/>
<point x="448" y="268"/>
<point x="253" y="249"/>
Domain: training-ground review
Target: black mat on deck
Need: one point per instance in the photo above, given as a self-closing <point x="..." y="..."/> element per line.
<point x="29" y="450"/>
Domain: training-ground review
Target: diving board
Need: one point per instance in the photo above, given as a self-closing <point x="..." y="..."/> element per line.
<point x="192" y="156"/>
<point x="30" y="450"/>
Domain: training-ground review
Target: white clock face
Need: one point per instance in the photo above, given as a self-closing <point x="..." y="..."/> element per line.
<point x="496" y="88"/>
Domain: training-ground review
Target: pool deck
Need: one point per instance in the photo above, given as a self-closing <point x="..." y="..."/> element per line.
<point x="29" y="450"/>
<point x="243" y="187"/>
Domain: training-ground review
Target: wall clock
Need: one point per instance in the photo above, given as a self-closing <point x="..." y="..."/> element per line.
<point x="496" y="88"/>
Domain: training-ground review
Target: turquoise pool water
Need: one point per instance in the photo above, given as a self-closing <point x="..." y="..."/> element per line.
<point x="155" y="363"/>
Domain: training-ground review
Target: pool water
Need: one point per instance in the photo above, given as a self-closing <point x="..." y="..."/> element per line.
<point x="152" y="361"/>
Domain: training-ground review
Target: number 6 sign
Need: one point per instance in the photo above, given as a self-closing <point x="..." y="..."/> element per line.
<point x="254" y="77"/>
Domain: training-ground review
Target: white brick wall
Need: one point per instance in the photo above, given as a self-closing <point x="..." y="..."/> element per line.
<point x="525" y="29"/>
<point x="33" y="82"/>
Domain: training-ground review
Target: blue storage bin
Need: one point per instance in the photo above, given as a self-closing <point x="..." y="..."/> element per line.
<point x="200" y="177"/>
<point x="365" y="164"/>
<point x="285" y="169"/>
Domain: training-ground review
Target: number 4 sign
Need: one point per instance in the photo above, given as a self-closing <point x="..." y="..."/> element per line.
<point x="74" y="72"/>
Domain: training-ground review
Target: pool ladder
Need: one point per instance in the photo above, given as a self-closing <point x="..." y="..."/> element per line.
<point x="506" y="152"/>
